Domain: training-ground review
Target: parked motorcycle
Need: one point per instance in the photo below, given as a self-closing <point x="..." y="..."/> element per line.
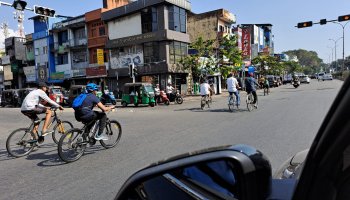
<point x="176" y="97"/>
<point x="163" y="98"/>
<point x="108" y="97"/>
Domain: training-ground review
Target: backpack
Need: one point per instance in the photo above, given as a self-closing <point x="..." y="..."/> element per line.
<point x="78" y="101"/>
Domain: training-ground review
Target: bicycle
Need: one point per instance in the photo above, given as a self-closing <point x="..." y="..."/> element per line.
<point x="232" y="103"/>
<point x="250" y="100"/>
<point x="76" y="139"/>
<point x="205" y="100"/>
<point x="21" y="136"/>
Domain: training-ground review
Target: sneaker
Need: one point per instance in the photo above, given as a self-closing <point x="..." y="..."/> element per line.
<point x="101" y="137"/>
<point x="46" y="133"/>
<point x="32" y="141"/>
<point x="41" y="139"/>
<point x="255" y="106"/>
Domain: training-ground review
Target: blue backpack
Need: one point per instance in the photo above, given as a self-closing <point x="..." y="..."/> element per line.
<point x="78" y="101"/>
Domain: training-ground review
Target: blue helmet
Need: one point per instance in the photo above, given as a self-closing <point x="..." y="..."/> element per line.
<point x="91" y="87"/>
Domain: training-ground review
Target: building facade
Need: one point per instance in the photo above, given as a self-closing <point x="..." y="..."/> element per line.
<point x="29" y="69"/>
<point x="153" y="36"/>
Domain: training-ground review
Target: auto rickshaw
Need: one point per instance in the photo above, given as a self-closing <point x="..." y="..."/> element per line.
<point x="138" y="93"/>
<point x="74" y="91"/>
<point x="55" y="94"/>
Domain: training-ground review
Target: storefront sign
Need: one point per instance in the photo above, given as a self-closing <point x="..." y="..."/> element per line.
<point x="100" y="57"/>
<point x="42" y="77"/>
<point x="96" y="71"/>
<point x="57" y="75"/>
<point x="30" y="73"/>
<point x="246" y="49"/>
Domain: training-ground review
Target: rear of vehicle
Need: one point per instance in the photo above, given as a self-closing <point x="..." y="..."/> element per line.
<point x="304" y="79"/>
<point x="56" y="94"/>
<point x="327" y="77"/>
<point x="320" y="76"/>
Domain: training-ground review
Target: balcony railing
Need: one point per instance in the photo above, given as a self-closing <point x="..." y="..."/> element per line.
<point x="97" y="41"/>
<point x="78" y="42"/>
<point x="78" y="72"/>
<point x="80" y="65"/>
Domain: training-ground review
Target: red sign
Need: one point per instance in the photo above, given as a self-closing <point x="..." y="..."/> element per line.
<point x="96" y="71"/>
<point x="246" y="48"/>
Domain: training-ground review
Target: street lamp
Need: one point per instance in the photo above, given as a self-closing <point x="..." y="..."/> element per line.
<point x="335" y="51"/>
<point x="331" y="60"/>
<point x="343" y="27"/>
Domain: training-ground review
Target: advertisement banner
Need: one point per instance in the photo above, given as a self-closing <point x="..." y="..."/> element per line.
<point x="246" y="48"/>
<point x="256" y="35"/>
<point x="123" y="59"/>
<point x="5" y="60"/>
<point x="42" y="74"/>
<point x="96" y="71"/>
<point x="8" y="73"/>
<point x="30" y="73"/>
<point x="14" y="67"/>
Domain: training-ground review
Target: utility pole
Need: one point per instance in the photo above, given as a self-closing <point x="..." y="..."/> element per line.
<point x="19" y="15"/>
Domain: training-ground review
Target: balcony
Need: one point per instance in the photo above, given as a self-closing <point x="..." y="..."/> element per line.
<point x="80" y="65"/>
<point x="78" y="72"/>
<point x="78" y="43"/>
<point x="98" y="41"/>
<point x="61" y="47"/>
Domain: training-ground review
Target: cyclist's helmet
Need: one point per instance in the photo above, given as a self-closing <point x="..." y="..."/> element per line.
<point x="91" y="87"/>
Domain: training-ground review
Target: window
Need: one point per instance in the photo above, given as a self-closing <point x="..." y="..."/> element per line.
<point x="149" y="20"/>
<point x="44" y="50"/>
<point x="151" y="52"/>
<point x="93" y="32"/>
<point x="36" y="51"/>
<point x="221" y="29"/>
<point x="62" y="37"/>
<point x="62" y="59"/>
<point x="177" y="19"/>
<point x="177" y="51"/>
<point x="102" y="31"/>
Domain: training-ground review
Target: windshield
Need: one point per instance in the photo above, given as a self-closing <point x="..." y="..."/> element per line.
<point x="149" y="88"/>
<point x="56" y="91"/>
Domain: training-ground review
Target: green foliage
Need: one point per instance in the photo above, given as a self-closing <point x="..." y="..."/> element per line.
<point x="292" y="67"/>
<point x="308" y="59"/>
<point x="268" y="65"/>
<point x="231" y="56"/>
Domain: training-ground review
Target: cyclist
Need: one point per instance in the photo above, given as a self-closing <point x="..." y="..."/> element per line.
<point x="267" y="84"/>
<point x="31" y="107"/>
<point x="250" y="83"/>
<point x="86" y="113"/>
<point x="205" y="90"/>
<point x="232" y="86"/>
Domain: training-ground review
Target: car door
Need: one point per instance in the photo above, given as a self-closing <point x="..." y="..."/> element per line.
<point x="326" y="172"/>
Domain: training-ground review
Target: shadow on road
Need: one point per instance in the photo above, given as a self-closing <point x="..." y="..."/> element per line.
<point x="222" y="110"/>
<point x="50" y="158"/>
<point x="4" y="155"/>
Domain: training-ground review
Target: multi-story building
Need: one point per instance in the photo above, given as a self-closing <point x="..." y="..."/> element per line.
<point x="15" y="49"/>
<point x="151" y="34"/>
<point x="212" y="25"/>
<point x="70" y="49"/>
<point x="29" y="69"/>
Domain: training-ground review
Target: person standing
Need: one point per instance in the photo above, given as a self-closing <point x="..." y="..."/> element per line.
<point x="157" y="93"/>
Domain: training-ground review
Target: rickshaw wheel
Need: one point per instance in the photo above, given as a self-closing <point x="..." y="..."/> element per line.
<point x="152" y="104"/>
<point x="124" y="104"/>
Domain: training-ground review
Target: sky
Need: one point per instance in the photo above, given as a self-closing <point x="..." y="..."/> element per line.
<point x="283" y="15"/>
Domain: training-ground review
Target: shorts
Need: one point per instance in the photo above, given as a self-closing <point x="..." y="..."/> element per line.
<point x="32" y="114"/>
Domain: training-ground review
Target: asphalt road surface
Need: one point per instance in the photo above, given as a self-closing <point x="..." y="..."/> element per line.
<point x="286" y="122"/>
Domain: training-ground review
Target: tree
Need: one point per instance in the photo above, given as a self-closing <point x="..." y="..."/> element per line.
<point x="230" y="55"/>
<point x="195" y="63"/>
<point x="267" y="64"/>
<point x="307" y="59"/>
<point x="292" y="67"/>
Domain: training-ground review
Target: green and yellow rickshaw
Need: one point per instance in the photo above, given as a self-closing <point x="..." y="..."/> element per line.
<point x="138" y="94"/>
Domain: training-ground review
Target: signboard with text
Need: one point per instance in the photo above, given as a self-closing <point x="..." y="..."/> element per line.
<point x="30" y="73"/>
<point x="100" y="57"/>
<point x="96" y="71"/>
<point x="246" y="47"/>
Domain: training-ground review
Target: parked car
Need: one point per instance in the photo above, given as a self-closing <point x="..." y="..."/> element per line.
<point x="9" y="98"/>
<point x="327" y="77"/>
<point x="22" y="93"/>
<point x="313" y="76"/>
<point x="320" y="76"/>
<point x="287" y="78"/>
<point x="304" y="79"/>
<point x="243" y="172"/>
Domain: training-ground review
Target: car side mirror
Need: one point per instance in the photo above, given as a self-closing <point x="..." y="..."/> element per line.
<point x="227" y="172"/>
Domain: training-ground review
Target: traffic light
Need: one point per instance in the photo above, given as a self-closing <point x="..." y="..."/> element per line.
<point x="343" y="18"/>
<point x="323" y="21"/>
<point x="131" y="69"/>
<point x="304" y="24"/>
<point x="47" y="12"/>
<point x="19" y="5"/>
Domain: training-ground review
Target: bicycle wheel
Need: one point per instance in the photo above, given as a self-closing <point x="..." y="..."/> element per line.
<point x="72" y="145"/>
<point x="203" y="103"/>
<point x="59" y="131"/>
<point x="231" y="104"/>
<point x="249" y="101"/>
<point x="17" y="143"/>
<point x="114" y="132"/>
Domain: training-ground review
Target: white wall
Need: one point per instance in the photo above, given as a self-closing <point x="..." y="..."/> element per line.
<point x="124" y="27"/>
<point x="41" y="58"/>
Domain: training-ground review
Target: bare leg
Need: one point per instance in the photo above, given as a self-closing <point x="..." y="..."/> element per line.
<point x="47" y="119"/>
<point x="35" y="131"/>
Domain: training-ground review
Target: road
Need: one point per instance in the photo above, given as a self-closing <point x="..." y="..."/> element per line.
<point x="286" y="122"/>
